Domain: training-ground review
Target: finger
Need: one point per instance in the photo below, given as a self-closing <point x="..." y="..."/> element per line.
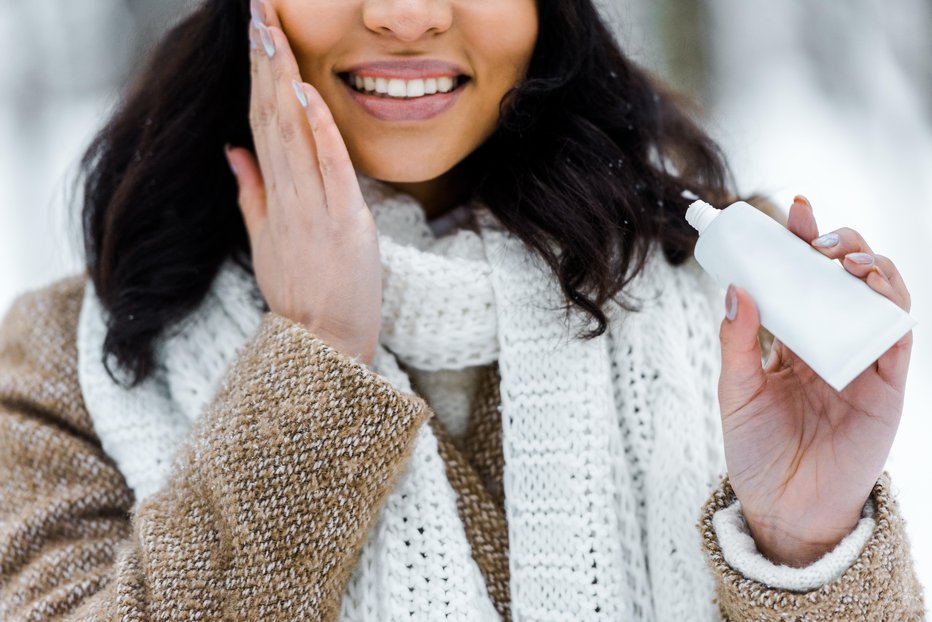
<point x="893" y="365"/>
<point x="864" y="266"/>
<point x="801" y="219"/>
<point x="270" y="14"/>
<point x="257" y="11"/>
<point x="741" y="373"/>
<point x="261" y="110"/>
<point x="892" y="273"/>
<point x="337" y="176"/>
<point x="773" y="358"/>
<point x="294" y="130"/>
<point x="341" y="185"/>
<point x="840" y="242"/>
<point x="874" y="276"/>
<point x="251" y="189"/>
<point x="264" y="118"/>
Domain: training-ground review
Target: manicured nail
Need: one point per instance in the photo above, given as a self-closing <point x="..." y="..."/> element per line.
<point x="865" y="259"/>
<point x="226" y="151"/>
<point x="802" y="201"/>
<point x="267" y="40"/>
<point x="731" y="303"/>
<point x="826" y="241"/>
<point x="255" y="10"/>
<point x="299" y="92"/>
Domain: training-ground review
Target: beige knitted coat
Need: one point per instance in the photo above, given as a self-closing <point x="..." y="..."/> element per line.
<point x="273" y="494"/>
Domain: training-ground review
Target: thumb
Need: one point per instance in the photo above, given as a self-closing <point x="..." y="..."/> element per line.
<point x="742" y="374"/>
<point x="251" y="187"/>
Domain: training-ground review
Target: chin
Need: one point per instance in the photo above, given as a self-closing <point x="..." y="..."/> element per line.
<point x="399" y="169"/>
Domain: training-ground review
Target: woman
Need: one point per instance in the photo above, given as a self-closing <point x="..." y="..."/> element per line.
<point x="399" y="382"/>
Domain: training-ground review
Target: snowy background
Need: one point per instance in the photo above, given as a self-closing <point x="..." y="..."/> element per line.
<point x="830" y="100"/>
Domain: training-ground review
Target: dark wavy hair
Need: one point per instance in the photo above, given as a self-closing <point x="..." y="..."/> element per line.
<point x="590" y="152"/>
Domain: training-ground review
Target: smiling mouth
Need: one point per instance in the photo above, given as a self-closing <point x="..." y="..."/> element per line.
<point x="396" y="88"/>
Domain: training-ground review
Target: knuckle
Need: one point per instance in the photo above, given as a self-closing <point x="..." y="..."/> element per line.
<point x="885" y="264"/>
<point x="325" y="162"/>
<point x="272" y="187"/>
<point x="288" y="131"/>
<point x="262" y="114"/>
<point x="330" y="163"/>
<point x="359" y="225"/>
<point x="278" y="72"/>
<point x="847" y="233"/>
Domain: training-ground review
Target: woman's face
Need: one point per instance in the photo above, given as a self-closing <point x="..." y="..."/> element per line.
<point x="410" y="48"/>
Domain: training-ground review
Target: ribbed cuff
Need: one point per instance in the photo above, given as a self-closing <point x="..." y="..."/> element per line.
<point x="880" y="584"/>
<point x="741" y="552"/>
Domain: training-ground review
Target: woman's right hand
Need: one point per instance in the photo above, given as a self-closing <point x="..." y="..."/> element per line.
<point x="313" y="240"/>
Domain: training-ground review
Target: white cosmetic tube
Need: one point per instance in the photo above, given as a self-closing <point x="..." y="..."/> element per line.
<point x="829" y="318"/>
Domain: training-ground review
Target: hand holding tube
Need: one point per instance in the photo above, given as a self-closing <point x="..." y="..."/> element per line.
<point x="803" y="457"/>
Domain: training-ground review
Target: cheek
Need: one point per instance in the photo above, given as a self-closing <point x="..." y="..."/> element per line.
<point x="499" y="36"/>
<point x="315" y="30"/>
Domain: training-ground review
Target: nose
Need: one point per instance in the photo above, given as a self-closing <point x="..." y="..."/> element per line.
<point x="408" y="20"/>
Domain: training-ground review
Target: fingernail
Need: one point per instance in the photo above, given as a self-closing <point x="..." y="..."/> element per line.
<point x="865" y="259"/>
<point x="226" y="152"/>
<point x="255" y="9"/>
<point x="801" y="200"/>
<point x="267" y="40"/>
<point x="255" y="12"/>
<point x="731" y="303"/>
<point x="299" y="92"/>
<point x="826" y="241"/>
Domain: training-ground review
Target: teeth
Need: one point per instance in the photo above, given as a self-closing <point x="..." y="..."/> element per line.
<point x="396" y="87"/>
<point x="415" y="88"/>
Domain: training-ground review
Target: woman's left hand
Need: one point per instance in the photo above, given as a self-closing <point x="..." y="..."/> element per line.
<point x="802" y="457"/>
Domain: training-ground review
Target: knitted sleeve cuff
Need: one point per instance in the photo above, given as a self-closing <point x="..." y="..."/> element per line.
<point x="880" y="583"/>
<point x="741" y="553"/>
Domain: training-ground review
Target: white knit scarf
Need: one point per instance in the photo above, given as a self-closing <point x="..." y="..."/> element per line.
<point x="462" y="299"/>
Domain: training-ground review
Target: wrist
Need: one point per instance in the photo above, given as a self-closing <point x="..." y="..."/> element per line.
<point x="352" y="349"/>
<point x="791" y="545"/>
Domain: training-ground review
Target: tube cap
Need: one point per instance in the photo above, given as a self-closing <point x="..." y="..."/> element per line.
<point x="700" y="214"/>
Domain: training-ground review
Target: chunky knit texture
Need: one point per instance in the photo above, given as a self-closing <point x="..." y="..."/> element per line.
<point x="235" y="535"/>
<point x="881" y="585"/>
<point x="462" y="301"/>
<point x="264" y="512"/>
<point x="740" y="551"/>
<point x="567" y="487"/>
